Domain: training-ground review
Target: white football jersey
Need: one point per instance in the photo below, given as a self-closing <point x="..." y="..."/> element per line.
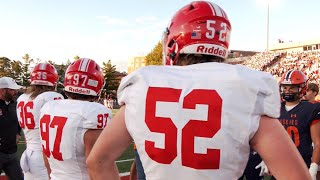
<point x="28" y="112"/>
<point x="196" y="121"/>
<point x="62" y="128"/>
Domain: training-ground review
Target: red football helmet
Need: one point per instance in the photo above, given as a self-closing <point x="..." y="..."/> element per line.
<point x="200" y="27"/>
<point x="293" y="78"/>
<point x="44" y="74"/>
<point x="84" y="76"/>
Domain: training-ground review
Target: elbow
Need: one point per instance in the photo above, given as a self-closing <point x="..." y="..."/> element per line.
<point x="95" y="164"/>
<point x="90" y="161"/>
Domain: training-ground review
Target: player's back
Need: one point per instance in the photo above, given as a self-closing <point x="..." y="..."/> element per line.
<point x="28" y="112"/>
<point x="196" y="121"/>
<point x="63" y="125"/>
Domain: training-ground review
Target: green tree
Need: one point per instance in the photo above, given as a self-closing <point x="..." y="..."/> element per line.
<point x="25" y="70"/>
<point x="61" y="69"/>
<point x="155" y="56"/>
<point x="110" y="76"/>
<point x="16" y="70"/>
<point x="5" y="67"/>
<point x="76" y="58"/>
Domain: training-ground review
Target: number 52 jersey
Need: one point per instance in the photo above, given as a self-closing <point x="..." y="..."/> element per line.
<point x="196" y="121"/>
<point x="62" y="127"/>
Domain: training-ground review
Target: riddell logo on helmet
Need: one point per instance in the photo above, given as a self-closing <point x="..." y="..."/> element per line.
<point x="215" y="50"/>
<point x="79" y="91"/>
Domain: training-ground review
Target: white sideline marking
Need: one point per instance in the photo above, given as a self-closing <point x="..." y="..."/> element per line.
<point x="124" y="174"/>
<point x="120" y="161"/>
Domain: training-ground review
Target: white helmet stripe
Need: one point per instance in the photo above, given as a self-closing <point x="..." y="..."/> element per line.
<point x="84" y="65"/>
<point x="288" y="75"/>
<point x="223" y="13"/>
<point x="217" y="9"/>
<point x="212" y="8"/>
<point x="42" y="66"/>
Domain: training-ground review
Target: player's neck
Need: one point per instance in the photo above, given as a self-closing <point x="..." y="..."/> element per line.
<point x="293" y="103"/>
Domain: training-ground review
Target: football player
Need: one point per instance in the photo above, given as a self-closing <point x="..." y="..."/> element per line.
<point x="43" y="81"/>
<point x="301" y="118"/>
<point x="70" y="127"/>
<point x="197" y="118"/>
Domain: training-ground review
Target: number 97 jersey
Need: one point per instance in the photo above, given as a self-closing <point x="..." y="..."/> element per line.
<point x="196" y="121"/>
<point x="62" y="128"/>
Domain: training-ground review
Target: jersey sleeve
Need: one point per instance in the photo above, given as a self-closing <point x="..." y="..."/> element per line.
<point x="266" y="90"/>
<point x="269" y="92"/>
<point x="316" y="114"/>
<point x="49" y="96"/>
<point x="123" y="90"/>
<point x="97" y="116"/>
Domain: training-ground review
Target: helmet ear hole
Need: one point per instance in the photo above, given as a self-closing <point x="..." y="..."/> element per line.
<point x="171" y="43"/>
<point x="172" y="55"/>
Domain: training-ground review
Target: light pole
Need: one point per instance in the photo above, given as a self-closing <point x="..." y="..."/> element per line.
<point x="267" y="25"/>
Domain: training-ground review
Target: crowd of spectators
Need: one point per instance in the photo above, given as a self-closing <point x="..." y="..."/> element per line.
<point x="280" y="62"/>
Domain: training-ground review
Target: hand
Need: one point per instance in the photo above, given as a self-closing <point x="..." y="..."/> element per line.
<point x="313" y="170"/>
<point x="264" y="169"/>
<point x="18" y="138"/>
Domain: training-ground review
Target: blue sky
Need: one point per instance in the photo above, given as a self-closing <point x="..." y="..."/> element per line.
<point x="118" y="30"/>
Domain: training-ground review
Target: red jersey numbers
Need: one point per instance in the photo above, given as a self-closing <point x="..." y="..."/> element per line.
<point x="102" y="120"/>
<point x="294" y="134"/>
<point x="194" y="128"/>
<point x="47" y="123"/>
<point x="26" y="118"/>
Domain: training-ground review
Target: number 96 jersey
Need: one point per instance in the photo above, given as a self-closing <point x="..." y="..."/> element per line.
<point x="196" y="121"/>
<point x="62" y="127"/>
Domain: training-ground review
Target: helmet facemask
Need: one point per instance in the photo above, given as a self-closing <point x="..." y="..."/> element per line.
<point x="292" y="96"/>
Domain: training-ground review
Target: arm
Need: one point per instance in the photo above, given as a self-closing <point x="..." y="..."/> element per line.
<point x="89" y="139"/>
<point x="112" y="142"/>
<point x="315" y="161"/>
<point x="46" y="164"/>
<point x="133" y="171"/>
<point x="278" y="151"/>
<point x="315" y="136"/>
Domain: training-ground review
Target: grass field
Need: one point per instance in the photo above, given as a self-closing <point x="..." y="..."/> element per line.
<point x="123" y="165"/>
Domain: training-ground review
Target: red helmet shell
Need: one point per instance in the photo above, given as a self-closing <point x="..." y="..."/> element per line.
<point x="84" y="76"/>
<point x="44" y="74"/>
<point x="295" y="77"/>
<point x="200" y="27"/>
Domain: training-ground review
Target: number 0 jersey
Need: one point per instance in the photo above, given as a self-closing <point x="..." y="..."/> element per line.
<point x="63" y="125"/>
<point x="196" y="121"/>
<point x="297" y="122"/>
<point x="28" y="112"/>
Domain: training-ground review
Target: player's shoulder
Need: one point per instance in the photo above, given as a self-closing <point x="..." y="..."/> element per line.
<point x="97" y="108"/>
<point x="50" y="95"/>
<point x="83" y="108"/>
<point x="310" y="105"/>
<point x="252" y="73"/>
<point x="23" y="97"/>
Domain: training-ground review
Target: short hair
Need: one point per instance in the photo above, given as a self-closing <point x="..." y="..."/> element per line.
<point x="188" y="59"/>
<point x="80" y="96"/>
<point x="313" y="87"/>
